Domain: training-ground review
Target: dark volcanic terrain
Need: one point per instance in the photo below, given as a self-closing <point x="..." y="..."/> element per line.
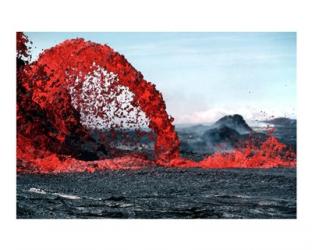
<point x="160" y="193"/>
<point x="157" y="192"/>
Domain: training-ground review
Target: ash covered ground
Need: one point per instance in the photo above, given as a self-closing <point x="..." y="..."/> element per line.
<point x="158" y="192"/>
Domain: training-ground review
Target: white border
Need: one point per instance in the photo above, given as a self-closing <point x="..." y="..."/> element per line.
<point x="160" y="15"/>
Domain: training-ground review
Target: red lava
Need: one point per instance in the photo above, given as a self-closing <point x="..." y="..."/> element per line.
<point x="49" y="117"/>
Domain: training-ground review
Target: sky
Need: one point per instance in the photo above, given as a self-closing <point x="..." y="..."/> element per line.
<point x="206" y="75"/>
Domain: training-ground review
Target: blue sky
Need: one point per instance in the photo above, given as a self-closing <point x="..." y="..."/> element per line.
<point x="204" y="76"/>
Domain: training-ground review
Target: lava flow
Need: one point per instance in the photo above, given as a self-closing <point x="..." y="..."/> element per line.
<point x="78" y="83"/>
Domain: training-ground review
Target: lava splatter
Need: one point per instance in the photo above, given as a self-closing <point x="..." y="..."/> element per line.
<point x="77" y="84"/>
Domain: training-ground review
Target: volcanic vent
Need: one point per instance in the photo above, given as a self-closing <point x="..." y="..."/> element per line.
<point x="79" y="84"/>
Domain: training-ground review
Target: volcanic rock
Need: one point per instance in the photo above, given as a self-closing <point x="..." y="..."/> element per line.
<point x="235" y="122"/>
<point x="282" y="121"/>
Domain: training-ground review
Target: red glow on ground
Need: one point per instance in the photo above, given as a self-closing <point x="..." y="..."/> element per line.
<point x="46" y="117"/>
<point x="270" y="153"/>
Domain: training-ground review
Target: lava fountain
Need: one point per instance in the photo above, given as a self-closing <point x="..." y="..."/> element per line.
<point x="78" y="83"/>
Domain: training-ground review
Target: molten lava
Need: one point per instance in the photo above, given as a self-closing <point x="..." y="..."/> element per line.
<point x="58" y="97"/>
